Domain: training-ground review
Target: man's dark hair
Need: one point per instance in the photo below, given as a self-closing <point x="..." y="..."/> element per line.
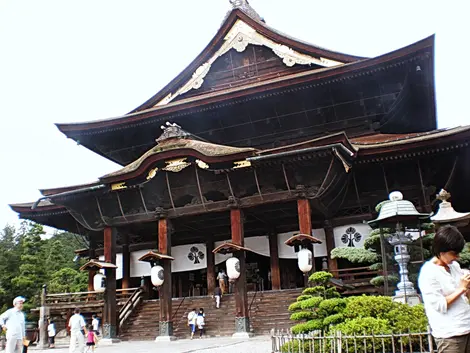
<point x="447" y="238"/>
<point x="77" y="311"/>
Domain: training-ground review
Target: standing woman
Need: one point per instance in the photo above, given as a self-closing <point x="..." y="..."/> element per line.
<point x="443" y="287"/>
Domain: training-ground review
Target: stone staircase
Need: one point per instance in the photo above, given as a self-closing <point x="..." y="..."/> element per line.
<point x="268" y="310"/>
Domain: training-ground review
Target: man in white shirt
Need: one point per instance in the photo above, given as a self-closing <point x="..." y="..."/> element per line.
<point x="77" y="329"/>
<point x="13" y="322"/>
<point x="192" y="317"/>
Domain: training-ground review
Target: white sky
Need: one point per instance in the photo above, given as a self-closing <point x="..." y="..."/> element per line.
<point x="68" y="61"/>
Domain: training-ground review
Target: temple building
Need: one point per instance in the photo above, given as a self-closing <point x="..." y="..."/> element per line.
<point x="261" y="137"/>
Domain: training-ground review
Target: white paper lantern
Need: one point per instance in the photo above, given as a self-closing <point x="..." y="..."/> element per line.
<point x="156" y="275"/>
<point x="99" y="282"/>
<point x="304" y="257"/>
<point x="233" y="268"/>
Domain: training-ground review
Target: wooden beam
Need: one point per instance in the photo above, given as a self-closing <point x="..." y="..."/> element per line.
<point x="274" y="259"/>
<point x="110" y="326"/>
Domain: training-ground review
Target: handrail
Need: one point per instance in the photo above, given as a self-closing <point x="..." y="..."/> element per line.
<point x="253" y="299"/>
<point x="178" y="308"/>
<point x="129" y="306"/>
<point x="90" y="292"/>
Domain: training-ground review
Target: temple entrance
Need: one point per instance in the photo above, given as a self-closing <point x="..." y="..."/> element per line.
<point x="189" y="283"/>
<point x="257" y="272"/>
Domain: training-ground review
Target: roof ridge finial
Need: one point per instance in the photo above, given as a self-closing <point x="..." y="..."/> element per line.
<point x="244" y="5"/>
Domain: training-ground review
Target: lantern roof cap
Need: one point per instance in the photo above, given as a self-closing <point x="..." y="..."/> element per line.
<point x="397" y="210"/>
<point x="446" y="213"/>
<point x="302" y="239"/>
<point x="229" y="247"/>
<point x="94" y="265"/>
<point x="153" y="255"/>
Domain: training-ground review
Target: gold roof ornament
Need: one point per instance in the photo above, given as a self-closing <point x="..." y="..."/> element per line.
<point x="118" y="186"/>
<point x="202" y="164"/>
<point x="446" y="213"/>
<point x="242" y="164"/>
<point x="152" y="173"/>
<point x="176" y="165"/>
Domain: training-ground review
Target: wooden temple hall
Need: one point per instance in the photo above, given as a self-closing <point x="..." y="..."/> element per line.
<point x="261" y="137"/>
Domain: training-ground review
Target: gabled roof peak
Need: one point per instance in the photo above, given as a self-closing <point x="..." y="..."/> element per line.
<point x="245" y="6"/>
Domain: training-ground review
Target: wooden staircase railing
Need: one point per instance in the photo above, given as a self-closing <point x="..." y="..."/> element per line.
<point x="129" y="307"/>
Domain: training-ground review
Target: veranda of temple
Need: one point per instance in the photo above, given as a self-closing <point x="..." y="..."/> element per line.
<point x="261" y="137"/>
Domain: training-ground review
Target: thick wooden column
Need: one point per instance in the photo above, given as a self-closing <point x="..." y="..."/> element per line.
<point x="110" y="327"/>
<point x="242" y="320"/>
<point x="126" y="263"/>
<point x="91" y="256"/>
<point x="305" y="226"/>
<point x="274" y="257"/>
<point x="210" y="267"/>
<point x="330" y="245"/>
<point x="164" y="247"/>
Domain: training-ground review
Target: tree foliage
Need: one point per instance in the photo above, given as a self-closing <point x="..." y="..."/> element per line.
<point x="28" y="260"/>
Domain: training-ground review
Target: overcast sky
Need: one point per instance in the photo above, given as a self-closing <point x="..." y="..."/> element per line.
<point x="68" y="61"/>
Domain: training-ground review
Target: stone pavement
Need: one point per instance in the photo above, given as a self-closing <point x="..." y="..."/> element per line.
<point x="258" y="344"/>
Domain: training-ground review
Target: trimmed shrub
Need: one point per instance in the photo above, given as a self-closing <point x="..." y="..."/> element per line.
<point x="306" y="327"/>
<point x="302" y="315"/>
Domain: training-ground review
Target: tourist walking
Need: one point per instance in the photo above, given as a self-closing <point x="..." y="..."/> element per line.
<point x="77" y="332"/>
<point x="221" y="278"/>
<point x="217" y="296"/>
<point x="91" y="339"/>
<point x="443" y="287"/>
<point x="95" y="323"/>
<point x="51" y="332"/>
<point x="200" y="322"/>
<point x="13" y="322"/>
<point x="192" y="318"/>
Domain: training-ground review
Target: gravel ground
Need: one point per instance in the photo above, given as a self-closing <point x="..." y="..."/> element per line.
<point x="259" y="344"/>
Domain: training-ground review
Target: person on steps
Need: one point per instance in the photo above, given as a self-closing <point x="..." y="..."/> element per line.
<point x="221" y="278"/>
<point x="217" y="296"/>
<point x="200" y="321"/>
<point x="192" y="317"/>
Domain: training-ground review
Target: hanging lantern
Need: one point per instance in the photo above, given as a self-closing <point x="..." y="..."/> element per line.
<point x="99" y="282"/>
<point x="156" y="275"/>
<point x="233" y="268"/>
<point x="304" y="258"/>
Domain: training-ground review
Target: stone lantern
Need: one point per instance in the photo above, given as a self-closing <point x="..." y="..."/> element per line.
<point x="446" y="213"/>
<point x="399" y="215"/>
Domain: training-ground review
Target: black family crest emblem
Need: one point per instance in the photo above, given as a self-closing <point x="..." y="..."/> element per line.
<point x="195" y="255"/>
<point x="351" y="236"/>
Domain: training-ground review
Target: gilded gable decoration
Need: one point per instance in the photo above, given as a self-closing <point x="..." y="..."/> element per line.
<point x="238" y="38"/>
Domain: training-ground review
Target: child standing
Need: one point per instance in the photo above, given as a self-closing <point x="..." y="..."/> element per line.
<point x="51" y="333"/>
<point x="91" y="339"/>
<point x="200" y="321"/>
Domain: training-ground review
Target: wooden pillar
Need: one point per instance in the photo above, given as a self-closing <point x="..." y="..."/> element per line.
<point x="305" y="226"/>
<point x="242" y="320"/>
<point x="110" y="325"/>
<point x="330" y="245"/>
<point x="91" y="256"/>
<point x="210" y="267"/>
<point x="274" y="257"/>
<point x="126" y="263"/>
<point x="164" y="247"/>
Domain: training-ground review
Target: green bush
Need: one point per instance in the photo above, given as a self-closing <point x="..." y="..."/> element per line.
<point x="405" y="318"/>
<point x="303" y="297"/>
<point x="368" y="306"/>
<point x="333" y="320"/>
<point x="296" y="346"/>
<point x="309" y="326"/>
<point x="310" y="303"/>
<point x="295" y="306"/>
<point x="302" y="315"/>
<point x="332" y="306"/>
<point x="314" y="291"/>
<point x="320" y="277"/>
